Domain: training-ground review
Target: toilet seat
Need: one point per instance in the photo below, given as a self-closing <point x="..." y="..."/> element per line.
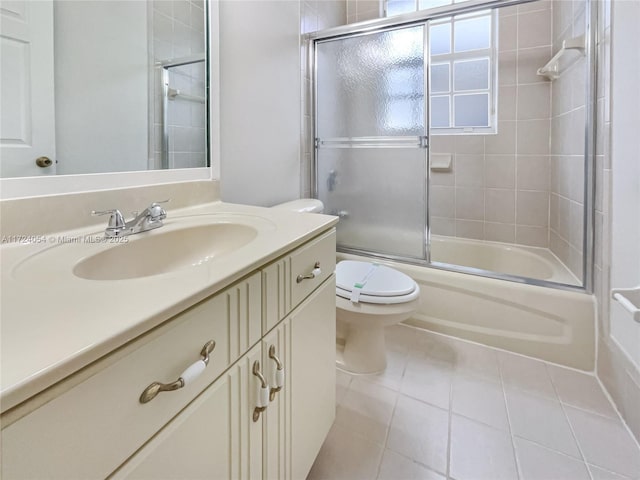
<point x="376" y="283"/>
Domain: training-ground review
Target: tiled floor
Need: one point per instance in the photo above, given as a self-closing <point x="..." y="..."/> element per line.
<point x="448" y="409"/>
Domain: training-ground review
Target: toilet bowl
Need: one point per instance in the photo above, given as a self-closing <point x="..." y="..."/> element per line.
<point x="369" y="297"/>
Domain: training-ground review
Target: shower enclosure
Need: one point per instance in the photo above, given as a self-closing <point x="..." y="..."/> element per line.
<point x="461" y="138"/>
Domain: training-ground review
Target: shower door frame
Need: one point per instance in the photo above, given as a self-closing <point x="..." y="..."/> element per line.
<point x="424" y="17"/>
<point x="421" y="142"/>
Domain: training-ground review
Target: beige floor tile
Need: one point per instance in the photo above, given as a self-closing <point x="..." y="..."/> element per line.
<point x="428" y="382"/>
<point x="481" y="400"/>
<point x="605" y="442"/>
<point x="476" y="360"/>
<point x="526" y="374"/>
<point x="433" y="349"/>
<point x="580" y="390"/>
<point x="479" y="452"/>
<point x="366" y="409"/>
<point x="397" y="467"/>
<point x="540" y="463"/>
<point x="392" y="376"/>
<point x="343" y="380"/>
<point x="420" y="432"/>
<point x="540" y="420"/>
<point x="346" y="455"/>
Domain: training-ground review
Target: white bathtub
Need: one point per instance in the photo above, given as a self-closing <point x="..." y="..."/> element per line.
<point x="547" y="323"/>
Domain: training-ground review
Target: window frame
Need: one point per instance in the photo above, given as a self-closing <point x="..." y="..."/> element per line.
<point x="450" y="59"/>
<point x="490" y="53"/>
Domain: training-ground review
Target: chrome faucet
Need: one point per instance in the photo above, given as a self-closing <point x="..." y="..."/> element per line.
<point x="150" y="218"/>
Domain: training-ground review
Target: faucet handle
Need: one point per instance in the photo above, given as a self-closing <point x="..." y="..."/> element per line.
<point x="115" y="221"/>
<point x="156" y="212"/>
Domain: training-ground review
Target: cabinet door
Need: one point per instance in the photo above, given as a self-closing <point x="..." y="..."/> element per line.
<point x="313" y="375"/>
<point x="214" y="437"/>
<point x="276" y="447"/>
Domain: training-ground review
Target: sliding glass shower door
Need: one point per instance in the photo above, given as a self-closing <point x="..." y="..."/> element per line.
<point x="371" y="140"/>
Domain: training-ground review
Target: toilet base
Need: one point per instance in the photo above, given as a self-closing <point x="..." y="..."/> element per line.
<point x="360" y="327"/>
<point x="364" y="350"/>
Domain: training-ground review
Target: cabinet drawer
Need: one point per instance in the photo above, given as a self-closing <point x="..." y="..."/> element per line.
<point x="322" y="252"/>
<point x="89" y="419"/>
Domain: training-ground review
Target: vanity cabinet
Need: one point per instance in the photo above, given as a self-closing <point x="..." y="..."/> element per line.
<point x="282" y="314"/>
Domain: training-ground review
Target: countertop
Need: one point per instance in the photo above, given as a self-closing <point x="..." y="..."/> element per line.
<point x="54" y="323"/>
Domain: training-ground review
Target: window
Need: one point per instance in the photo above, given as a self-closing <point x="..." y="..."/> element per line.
<point x="462" y="69"/>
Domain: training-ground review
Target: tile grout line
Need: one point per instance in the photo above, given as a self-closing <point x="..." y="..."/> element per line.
<point x="506" y="407"/>
<point x="615" y="409"/>
<point x="564" y="412"/>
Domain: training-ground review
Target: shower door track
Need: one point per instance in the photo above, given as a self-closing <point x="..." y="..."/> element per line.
<point x="424" y="16"/>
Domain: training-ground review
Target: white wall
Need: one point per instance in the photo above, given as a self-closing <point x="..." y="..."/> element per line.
<point x="260" y="101"/>
<point x="101" y="81"/>
<point x="625" y="156"/>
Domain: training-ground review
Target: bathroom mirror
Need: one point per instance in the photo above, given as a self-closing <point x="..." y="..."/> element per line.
<point x="102" y="86"/>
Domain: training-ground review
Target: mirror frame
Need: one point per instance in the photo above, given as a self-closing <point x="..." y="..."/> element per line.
<point x="21" y="187"/>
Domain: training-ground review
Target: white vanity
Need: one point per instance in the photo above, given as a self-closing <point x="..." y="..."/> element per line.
<point x="80" y="346"/>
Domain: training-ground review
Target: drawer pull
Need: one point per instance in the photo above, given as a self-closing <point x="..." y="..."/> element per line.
<point x="314" y="273"/>
<point x="279" y="376"/>
<point x="262" y="397"/>
<point x="188" y="376"/>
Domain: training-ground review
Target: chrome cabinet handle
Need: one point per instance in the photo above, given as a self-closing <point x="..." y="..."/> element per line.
<point x="279" y="376"/>
<point x="262" y="396"/>
<point x="313" y="274"/>
<point x="189" y="375"/>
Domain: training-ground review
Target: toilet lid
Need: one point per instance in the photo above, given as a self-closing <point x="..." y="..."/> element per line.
<point x="375" y="280"/>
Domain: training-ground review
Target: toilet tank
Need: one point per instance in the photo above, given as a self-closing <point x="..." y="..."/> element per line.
<point x="309" y="205"/>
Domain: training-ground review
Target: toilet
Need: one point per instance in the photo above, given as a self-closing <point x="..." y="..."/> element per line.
<point x="369" y="297"/>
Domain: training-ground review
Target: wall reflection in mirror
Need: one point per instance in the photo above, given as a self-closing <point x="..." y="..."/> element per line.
<point x="102" y="86"/>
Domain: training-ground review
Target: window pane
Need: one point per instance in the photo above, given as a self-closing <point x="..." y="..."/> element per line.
<point x="440" y="78"/>
<point x="471" y="110"/>
<point x="440" y="111"/>
<point x="424" y="4"/>
<point x="471" y="75"/>
<point x="472" y="34"/>
<point x="396" y="7"/>
<point x="440" y="38"/>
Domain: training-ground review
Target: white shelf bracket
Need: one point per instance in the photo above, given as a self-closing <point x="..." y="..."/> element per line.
<point x="552" y="68"/>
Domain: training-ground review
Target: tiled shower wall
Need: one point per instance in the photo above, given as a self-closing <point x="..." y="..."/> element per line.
<point x="178" y="31"/>
<point x="314" y="15"/>
<point x="568" y="97"/>
<point x="498" y="186"/>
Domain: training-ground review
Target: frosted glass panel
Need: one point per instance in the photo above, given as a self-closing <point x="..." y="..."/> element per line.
<point x="440" y="111"/>
<point x="440" y="78"/>
<point x="472" y="34"/>
<point x="440" y="39"/>
<point x="364" y="81"/>
<point x="471" y="75"/>
<point x="471" y="110"/>
<point x="380" y="195"/>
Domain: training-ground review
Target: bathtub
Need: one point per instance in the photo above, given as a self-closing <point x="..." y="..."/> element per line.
<point x="518" y="260"/>
<point x="550" y="324"/>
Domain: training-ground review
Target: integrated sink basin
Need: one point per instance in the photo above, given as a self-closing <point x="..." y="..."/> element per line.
<point x="163" y="252"/>
<point x="183" y="243"/>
